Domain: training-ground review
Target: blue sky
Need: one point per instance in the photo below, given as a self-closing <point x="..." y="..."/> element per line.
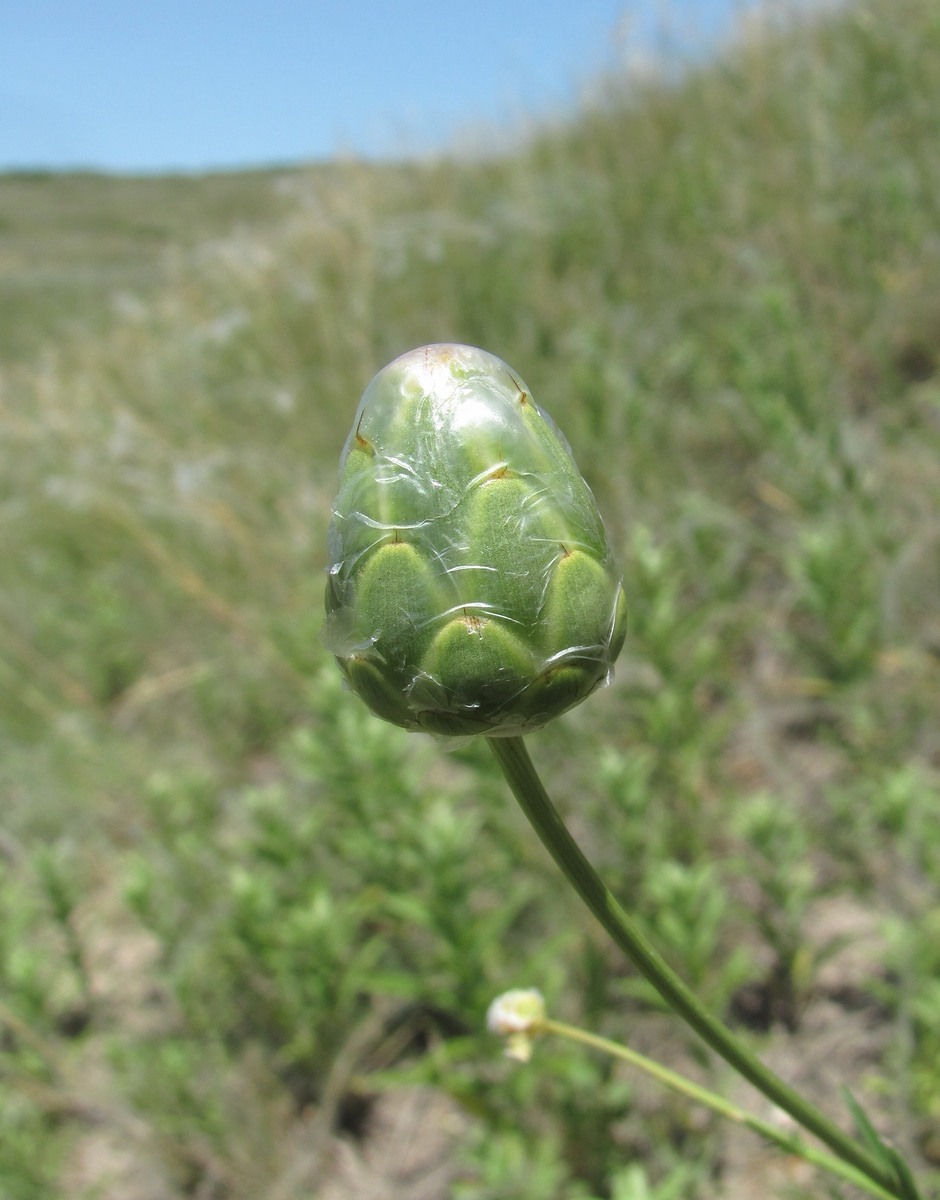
<point x="124" y="86"/>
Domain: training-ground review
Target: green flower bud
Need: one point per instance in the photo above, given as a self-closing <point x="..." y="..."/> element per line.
<point x="471" y="587"/>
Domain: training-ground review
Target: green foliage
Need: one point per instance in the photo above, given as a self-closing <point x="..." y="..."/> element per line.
<point x="236" y="908"/>
<point x="29" y="1152"/>
<point x="836" y="567"/>
<point x="634" y="1184"/>
<point x="37" y="997"/>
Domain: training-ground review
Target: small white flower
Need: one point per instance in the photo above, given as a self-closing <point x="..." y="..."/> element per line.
<point x="515" y="1011"/>
<point x="516" y="1015"/>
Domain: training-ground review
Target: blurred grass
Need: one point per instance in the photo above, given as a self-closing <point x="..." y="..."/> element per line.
<point x="73" y="247"/>
<point x="230" y="898"/>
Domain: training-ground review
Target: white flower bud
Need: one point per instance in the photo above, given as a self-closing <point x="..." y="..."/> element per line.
<point x="517" y="1016"/>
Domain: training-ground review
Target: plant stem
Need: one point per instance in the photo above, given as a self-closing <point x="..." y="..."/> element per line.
<point x="788" y="1142"/>
<point x="513" y="758"/>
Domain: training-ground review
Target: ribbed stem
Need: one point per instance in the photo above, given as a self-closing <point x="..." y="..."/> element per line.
<point x="513" y="758"/>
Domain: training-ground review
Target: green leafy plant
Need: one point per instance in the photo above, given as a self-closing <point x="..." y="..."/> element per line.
<point x="452" y="611"/>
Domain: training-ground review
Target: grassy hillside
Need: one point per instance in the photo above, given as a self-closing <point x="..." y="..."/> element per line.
<point x="245" y="953"/>
<point x="73" y="248"/>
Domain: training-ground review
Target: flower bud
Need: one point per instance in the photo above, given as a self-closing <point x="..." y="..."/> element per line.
<point x="517" y="1015"/>
<point x="471" y="587"/>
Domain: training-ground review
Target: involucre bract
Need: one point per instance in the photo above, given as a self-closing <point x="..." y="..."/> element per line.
<point x="471" y="586"/>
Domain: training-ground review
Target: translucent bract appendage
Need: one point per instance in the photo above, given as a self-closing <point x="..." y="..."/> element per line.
<point x="471" y="586"/>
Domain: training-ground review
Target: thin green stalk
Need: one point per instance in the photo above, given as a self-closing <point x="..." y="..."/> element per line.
<point x="788" y="1142"/>
<point x="513" y="758"/>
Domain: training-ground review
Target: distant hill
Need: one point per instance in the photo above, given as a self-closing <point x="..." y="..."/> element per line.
<point x="70" y="241"/>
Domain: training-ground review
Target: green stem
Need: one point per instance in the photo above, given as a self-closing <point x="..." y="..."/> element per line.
<point x="788" y="1142"/>
<point x="513" y="758"/>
